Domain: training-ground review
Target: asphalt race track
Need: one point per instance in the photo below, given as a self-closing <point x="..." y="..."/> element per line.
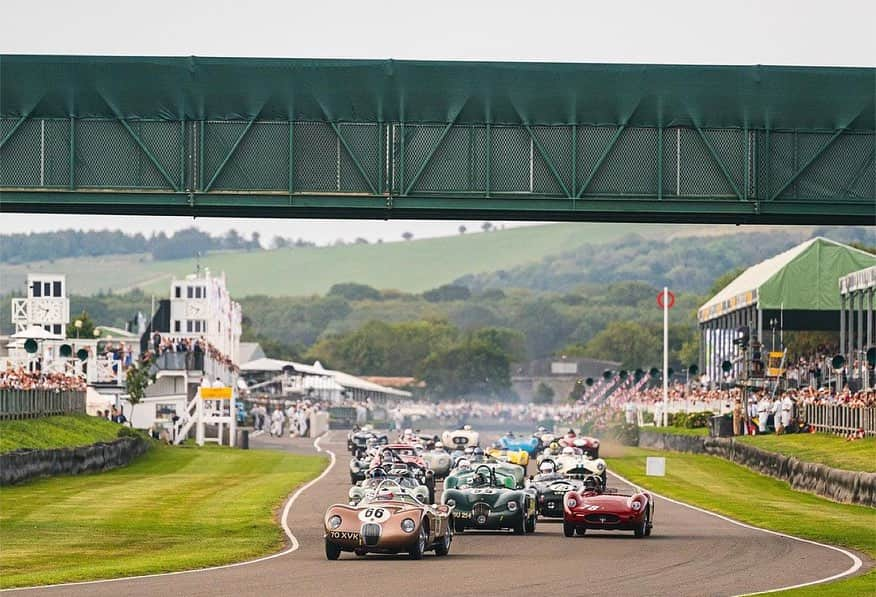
<point x="689" y="553"/>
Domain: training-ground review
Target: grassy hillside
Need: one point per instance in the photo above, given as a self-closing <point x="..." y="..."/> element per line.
<point x="409" y="266"/>
<point x="55" y="432"/>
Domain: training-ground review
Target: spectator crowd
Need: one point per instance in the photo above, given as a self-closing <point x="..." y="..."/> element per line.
<point x="160" y="345"/>
<point x="19" y="378"/>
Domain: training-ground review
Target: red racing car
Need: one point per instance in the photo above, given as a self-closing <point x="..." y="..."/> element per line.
<point x="607" y="510"/>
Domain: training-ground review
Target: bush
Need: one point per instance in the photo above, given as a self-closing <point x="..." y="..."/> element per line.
<point x="696" y="420"/>
<point x="647" y="417"/>
<point x="130" y="432"/>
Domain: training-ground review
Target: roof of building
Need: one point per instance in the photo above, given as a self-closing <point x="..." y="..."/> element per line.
<point x="395" y="382"/>
<point x="346" y="380"/>
<point x="804" y="277"/>
<point x="250" y="351"/>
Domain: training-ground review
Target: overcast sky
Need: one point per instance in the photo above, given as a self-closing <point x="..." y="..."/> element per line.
<point x="801" y="32"/>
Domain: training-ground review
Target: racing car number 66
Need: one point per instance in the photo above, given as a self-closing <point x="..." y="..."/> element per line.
<point x="374" y="515"/>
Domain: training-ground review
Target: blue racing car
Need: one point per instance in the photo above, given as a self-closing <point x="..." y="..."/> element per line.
<point x="509" y="441"/>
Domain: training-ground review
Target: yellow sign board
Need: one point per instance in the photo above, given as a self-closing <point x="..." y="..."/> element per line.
<point x="216" y="393"/>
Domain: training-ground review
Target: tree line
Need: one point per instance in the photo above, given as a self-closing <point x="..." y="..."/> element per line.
<point x="182" y="244"/>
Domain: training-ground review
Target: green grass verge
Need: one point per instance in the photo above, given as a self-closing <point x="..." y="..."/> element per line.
<point x="713" y="484"/>
<point x="65" y="431"/>
<point x="173" y="509"/>
<point x="832" y="450"/>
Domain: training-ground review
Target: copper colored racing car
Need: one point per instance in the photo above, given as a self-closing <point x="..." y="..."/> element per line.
<point x="592" y="507"/>
<point x="391" y="521"/>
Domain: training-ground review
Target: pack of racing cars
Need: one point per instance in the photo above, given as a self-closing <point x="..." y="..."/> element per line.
<point x="392" y="506"/>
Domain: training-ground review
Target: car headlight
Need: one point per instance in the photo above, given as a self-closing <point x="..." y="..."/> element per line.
<point x="334" y="522"/>
<point x="571" y="502"/>
<point x="512" y="506"/>
<point x="600" y="466"/>
<point x="451" y="502"/>
<point x="636" y="506"/>
<point x="408" y="525"/>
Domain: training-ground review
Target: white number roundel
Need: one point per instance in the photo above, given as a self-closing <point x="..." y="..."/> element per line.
<point x="374" y="515"/>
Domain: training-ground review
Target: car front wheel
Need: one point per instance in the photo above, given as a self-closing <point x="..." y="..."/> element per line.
<point x="419" y="545"/>
<point x="568" y="529"/>
<point x="332" y="551"/>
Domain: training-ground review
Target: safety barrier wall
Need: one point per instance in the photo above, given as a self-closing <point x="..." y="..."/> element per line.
<point x="834" y="418"/>
<point x="835" y="484"/>
<point x="28" y="404"/>
<point x="22" y="465"/>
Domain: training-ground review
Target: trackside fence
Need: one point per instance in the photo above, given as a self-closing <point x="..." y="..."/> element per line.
<point x="29" y="404"/>
<point x="835" y="418"/>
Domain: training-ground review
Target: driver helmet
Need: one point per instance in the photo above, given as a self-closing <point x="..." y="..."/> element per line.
<point x="467" y="427"/>
<point x="541" y="429"/>
<point x="568" y="451"/>
<point x="571" y="433"/>
<point x="439" y="446"/>
<point x="591" y="483"/>
<point x="554" y="446"/>
<point x="509" y="434"/>
<point x="547" y="467"/>
<point x="478" y="451"/>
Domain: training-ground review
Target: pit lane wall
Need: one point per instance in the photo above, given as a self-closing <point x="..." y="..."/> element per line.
<point x="849" y="487"/>
<point x="23" y="465"/>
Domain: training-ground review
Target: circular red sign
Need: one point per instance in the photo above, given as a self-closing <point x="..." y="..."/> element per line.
<point x="660" y="299"/>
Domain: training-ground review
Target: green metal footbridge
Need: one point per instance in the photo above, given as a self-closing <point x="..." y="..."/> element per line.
<point x="437" y="140"/>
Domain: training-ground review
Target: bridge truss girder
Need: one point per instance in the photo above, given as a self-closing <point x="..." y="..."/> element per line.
<point x="436" y="171"/>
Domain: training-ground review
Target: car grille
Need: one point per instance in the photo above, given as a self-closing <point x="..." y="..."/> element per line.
<point x="370" y="533"/>
<point x="480" y="509"/>
<point x="602" y="518"/>
<point x="551" y="505"/>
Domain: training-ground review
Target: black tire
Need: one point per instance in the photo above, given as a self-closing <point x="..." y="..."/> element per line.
<point x="419" y="546"/>
<point x="568" y="529"/>
<point x="642" y="529"/>
<point x="332" y="551"/>
<point x="443" y="547"/>
<point x="580" y="531"/>
<point x="530" y="523"/>
<point x="520" y="526"/>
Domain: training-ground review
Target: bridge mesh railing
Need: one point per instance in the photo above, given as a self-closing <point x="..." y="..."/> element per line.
<point x="434" y="158"/>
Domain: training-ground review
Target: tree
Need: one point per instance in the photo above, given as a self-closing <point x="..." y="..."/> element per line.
<point x="355" y="292"/>
<point x="447" y="292"/>
<point x="256" y="242"/>
<point x="486" y="226"/>
<point x="471" y="367"/>
<point x="408" y="235"/>
<point x="633" y="344"/>
<point x="544" y="394"/>
<point x="279" y="242"/>
<point x="462" y="229"/>
<point x="361" y="241"/>
<point x="85" y="331"/>
<point x="137" y="379"/>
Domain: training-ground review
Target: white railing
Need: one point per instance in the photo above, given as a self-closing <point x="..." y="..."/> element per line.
<point x="841" y="419"/>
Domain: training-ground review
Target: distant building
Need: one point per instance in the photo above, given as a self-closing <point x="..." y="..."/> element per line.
<point x="199" y="312"/>
<point x="558" y="373"/>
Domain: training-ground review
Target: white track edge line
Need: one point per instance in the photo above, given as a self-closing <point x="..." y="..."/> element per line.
<point x="285" y="525"/>
<point x="856" y="561"/>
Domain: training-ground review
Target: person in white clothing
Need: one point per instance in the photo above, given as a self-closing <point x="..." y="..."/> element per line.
<point x="277" y="420"/>
<point x="763" y="413"/>
<point x="787" y="411"/>
<point x="290" y="416"/>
